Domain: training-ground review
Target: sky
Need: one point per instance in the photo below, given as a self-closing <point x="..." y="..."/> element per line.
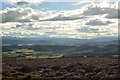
<point x="81" y="19"/>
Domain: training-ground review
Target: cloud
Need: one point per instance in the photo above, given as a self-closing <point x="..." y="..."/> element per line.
<point x="91" y="30"/>
<point x="23" y="2"/>
<point x="97" y="22"/>
<point x="64" y="18"/>
<point x="78" y="23"/>
<point x="110" y="10"/>
<point x="113" y="15"/>
<point x="66" y="29"/>
<point x="93" y="11"/>
<point x="30" y="15"/>
<point x="22" y="15"/>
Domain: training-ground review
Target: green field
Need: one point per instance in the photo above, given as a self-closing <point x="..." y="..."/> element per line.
<point x="26" y="53"/>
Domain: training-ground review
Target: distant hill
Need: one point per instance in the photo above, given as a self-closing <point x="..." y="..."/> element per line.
<point x="66" y="46"/>
<point x="56" y="41"/>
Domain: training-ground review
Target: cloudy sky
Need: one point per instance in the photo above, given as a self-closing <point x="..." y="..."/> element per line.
<point x="83" y="19"/>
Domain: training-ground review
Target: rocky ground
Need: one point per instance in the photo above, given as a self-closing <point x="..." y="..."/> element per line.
<point x="90" y="68"/>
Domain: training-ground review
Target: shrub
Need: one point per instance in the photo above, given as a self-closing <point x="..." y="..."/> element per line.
<point x="7" y="73"/>
<point x="26" y="69"/>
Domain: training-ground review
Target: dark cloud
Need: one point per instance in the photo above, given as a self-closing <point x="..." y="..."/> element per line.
<point x="110" y="12"/>
<point x="113" y="15"/>
<point x="93" y="11"/>
<point x="90" y="30"/>
<point x="62" y="18"/>
<point x="97" y="22"/>
<point x="22" y="3"/>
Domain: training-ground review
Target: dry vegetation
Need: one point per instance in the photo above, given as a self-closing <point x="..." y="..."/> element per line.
<point x="61" y="69"/>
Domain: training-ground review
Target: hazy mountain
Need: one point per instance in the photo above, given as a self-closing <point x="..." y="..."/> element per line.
<point x="66" y="46"/>
<point x="56" y="41"/>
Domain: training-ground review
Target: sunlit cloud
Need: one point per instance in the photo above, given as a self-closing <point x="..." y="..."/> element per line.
<point x="90" y="21"/>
